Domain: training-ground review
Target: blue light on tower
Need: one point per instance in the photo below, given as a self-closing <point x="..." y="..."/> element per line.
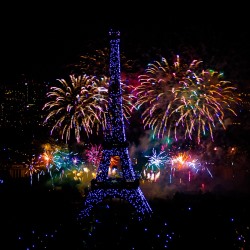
<point x="116" y="145"/>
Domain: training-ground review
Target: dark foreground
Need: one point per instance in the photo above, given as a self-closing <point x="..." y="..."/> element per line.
<point x="41" y="218"/>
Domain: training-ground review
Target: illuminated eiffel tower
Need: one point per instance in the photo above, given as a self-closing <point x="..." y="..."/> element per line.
<point x="115" y="145"/>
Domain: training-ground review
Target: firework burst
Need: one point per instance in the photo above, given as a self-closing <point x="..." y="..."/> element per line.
<point x="156" y="161"/>
<point x="78" y="104"/>
<point x="185" y="98"/>
<point x="94" y="154"/>
<point x="96" y="62"/>
<point x="81" y="105"/>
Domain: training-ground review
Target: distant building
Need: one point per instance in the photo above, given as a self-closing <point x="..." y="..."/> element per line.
<point x="18" y="171"/>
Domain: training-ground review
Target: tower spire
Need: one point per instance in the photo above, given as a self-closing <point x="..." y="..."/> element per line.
<point x="115" y="133"/>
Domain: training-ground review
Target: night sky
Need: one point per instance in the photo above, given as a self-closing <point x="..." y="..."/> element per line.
<point x="40" y="40"/>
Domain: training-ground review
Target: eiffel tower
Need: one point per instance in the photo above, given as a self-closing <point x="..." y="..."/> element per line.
<point x="104" y="186"/>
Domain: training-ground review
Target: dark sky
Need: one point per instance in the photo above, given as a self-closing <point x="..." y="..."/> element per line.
<point x="39" y="40"/>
